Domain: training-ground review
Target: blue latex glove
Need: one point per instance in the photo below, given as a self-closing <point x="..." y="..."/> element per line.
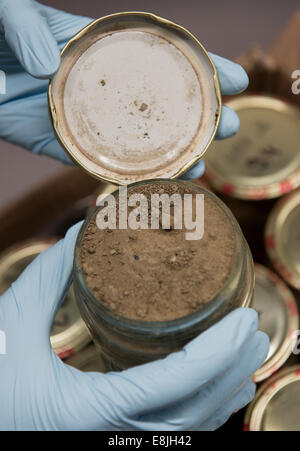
<point x="196" y="388"/>
<point x="31" y="35"/>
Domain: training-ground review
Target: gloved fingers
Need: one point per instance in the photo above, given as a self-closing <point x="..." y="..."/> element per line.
<point x="30" y="38"/>
<point x="192" y="412"/>
<point x="195" y="172"/>
<point x="32" y="112"/>
<point x="121" y="401"/>
<point x="239" y="399"/>
<point x="54" y="150"/>
<point x="222" y="387"/>
<point x="160" y="384"/>
<point x="63" y="24"/>
<point x="20" y="86"/>
<point x="229" y="123"/>
<point x="42" y="286"/>
<point x="237" y="402"/>
<point x="232" y="77"/>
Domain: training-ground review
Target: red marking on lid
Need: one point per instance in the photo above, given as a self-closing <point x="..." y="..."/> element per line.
<point x="245" y="427"/>
<point x="288" y="275"/>
<point x="283" y="270"/>
<point x="270" y="242"/>
<point x="292" y="307"/>
<point x="274" y="279"/>
<point x="259" y="194"/>
<point x="227" y="188"/>
<point x="291" y="333"/>
<point x="273" y="370"/>
<point x="286" y="186"/>
<point x="297" y="372"/>
<point x="65" y="354"/>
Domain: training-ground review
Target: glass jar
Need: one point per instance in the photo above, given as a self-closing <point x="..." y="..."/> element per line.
<point x="125" y="342"/>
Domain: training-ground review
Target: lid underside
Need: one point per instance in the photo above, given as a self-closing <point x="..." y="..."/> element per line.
<point x="136" y="102"/>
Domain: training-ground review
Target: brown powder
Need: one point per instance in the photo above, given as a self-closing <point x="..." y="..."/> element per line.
<point x="158" y="275"/>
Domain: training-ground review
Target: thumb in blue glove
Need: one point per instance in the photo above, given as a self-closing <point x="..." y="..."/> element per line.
<point x="196" y="388"/>
<point x="29" y="29"/>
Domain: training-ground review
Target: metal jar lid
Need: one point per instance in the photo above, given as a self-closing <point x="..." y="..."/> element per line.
<point x="88" y="359"/>
<point x="263" y="160"/>
<point x="276" y="405"/>
<point x="136" y="97"/>
<point x="282" y="238"/>
<point x="278" y="318"/>
<point x="69" y="332"/>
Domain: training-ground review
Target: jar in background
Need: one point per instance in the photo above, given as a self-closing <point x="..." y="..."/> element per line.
<point x="278" y="318"/>
<point x="276" y="403"/>
<point x="261" y="162"/>
<point x="282" y="238"/>
<point x="68" y="333"/>
<point x="252" y="217"/>
<point x="124" y="342"/>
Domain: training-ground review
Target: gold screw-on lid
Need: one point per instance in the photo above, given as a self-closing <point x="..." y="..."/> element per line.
<point x="282" y="238"/>
<point x="262" y="160"/>
<point x="276" y="404"/>
<point x="68" y="333"/>
<point x="136" y="97"/>
<point x="278" y="318"/>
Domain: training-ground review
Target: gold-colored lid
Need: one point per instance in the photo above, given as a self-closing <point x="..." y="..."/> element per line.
<point x="282" y="238"/>
<point x="68" y="332"/>
<point x="278" y="318"/>
<point x="262" y="160"/>
<point x="276" y="405"/>
<point x="136" y="97"/>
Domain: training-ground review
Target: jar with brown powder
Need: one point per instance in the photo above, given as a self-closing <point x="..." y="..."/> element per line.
<point x="145" y="293"/>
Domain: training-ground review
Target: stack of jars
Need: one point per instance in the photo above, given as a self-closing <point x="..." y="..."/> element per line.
<point x="250" y="172"/>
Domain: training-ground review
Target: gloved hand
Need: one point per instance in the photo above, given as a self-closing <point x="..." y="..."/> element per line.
<point x="196" y="388"/>
<point x="31" y="35"/>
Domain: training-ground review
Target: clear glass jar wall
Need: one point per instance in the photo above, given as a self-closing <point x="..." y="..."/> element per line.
<point x="125" y="343"/>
